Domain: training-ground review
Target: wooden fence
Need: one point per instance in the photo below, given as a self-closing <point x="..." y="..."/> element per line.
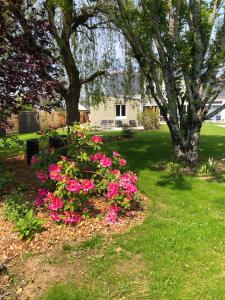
<point x="28" y="122"/>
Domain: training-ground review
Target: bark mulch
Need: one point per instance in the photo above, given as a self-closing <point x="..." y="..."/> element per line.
<point x="49" y="240"/>
<point x="52" y="234"/>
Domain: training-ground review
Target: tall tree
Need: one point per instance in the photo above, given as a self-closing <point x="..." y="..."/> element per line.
<point x="68" y="21"/>
<point x="70" y="27"/>
<point x="180" y="48"/>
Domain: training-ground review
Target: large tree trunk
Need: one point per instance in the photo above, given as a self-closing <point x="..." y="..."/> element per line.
<point x="186" y="148"/>
<point x="72" y="98"/>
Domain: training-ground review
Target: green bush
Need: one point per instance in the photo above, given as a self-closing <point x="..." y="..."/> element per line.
<point x="6" y="181"/>
<point x="20" y="211"/>
<point x="28" y="225"/>
<point x="16" y="206"/>
<point x="149" y="119"/>
<point x="127" y="131"/>
<point x="175" y="168"/>
<point x="207" y="168"/>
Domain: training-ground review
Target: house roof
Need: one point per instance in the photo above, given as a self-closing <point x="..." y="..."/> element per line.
<point x="82" y="108"/>
<point x="122" y="84"/>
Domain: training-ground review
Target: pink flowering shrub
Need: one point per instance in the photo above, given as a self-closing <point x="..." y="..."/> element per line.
<point x="69" y="183"/>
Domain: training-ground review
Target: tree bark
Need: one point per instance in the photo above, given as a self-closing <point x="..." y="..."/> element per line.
<point x="72" y="97"/>
<point x="186" y="148"/>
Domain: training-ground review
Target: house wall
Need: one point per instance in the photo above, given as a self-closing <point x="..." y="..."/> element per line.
<point x="222" y="99"/>
<point x="107" y="111"/>
<point x="220" y="117"/>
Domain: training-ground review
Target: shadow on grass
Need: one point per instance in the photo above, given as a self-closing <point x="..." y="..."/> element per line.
<point x="147" y="149"/>
<point x="219" y="178"/>
<point x="175" y="182"/>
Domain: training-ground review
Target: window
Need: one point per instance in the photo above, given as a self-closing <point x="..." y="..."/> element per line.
<point x="120" y="110"/>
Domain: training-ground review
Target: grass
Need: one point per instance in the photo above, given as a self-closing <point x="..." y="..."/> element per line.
<point x="14" y="149"/>
<point x="68" y="292"/>
<point x="179" y="250"/>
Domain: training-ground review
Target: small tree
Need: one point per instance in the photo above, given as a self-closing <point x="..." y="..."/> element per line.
<point x="180" y="48"/>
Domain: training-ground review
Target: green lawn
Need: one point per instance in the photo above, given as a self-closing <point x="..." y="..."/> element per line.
<point x="179" y="250"/>
<point x="15" y="149"/>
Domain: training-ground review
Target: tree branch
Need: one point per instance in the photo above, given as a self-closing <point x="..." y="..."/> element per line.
<point x="92" y="77"/>
<point x="215" y="112"/>
<point x="82" y="18"/>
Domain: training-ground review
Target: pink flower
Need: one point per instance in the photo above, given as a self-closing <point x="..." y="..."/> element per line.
<point x="87" y="185"/>
<point x="55" y="171"/>
<point x="128" y="182"/>
<point x="116" y="154"/>
<point x="73" y="186"/>
<point x="132" y="189"/>
<point x="129" y="187"/>
<point x="34" y="159"/>
<point x="41" y="197"/>
<point x="112" y="215"/>
<point x="115" y="208"/>
<point x="39" y="202"/>
<point x="122" y="162"/>
<point x="97" y="156"/>
<point x="43" y="177"/>
<point x="96" y="139"/>
<point x="55" y="202"/>
<point x="113" y="190"/>
<point x="72" y="218"/>
<point x="106" y="162"/>
<point x="55" y="217"/>
<point x="42" y="192"/>
<point x="129" y="177"/>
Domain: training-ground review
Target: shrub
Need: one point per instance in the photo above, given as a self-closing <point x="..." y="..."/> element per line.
<point x="149" y="119"/>
<point x="16" y="206"/>
<point x="69" y="183"/>
<point x="207" y="168"/>
<point x="6" y="180"/>
<point x="9" y="142"/>
<point x="28" y="226"/>
<point x="175" y="168"/>
<point x="20" y="211"/>
<point x="127" y="131"/>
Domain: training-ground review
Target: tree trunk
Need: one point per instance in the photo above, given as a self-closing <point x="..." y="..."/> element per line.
<point x="186" y="149"/>
<point x="72" y="98"/>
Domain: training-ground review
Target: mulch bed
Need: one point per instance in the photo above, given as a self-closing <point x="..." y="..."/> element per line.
<point x="53" y="235"/>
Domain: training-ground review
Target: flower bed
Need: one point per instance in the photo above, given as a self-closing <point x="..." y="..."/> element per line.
<point x="69" y="183"/>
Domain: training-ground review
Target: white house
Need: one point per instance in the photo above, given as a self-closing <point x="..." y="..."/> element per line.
<point x="119" y="109"/>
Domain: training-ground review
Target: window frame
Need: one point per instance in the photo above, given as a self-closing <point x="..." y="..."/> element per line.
<point x="120" y="117"/>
